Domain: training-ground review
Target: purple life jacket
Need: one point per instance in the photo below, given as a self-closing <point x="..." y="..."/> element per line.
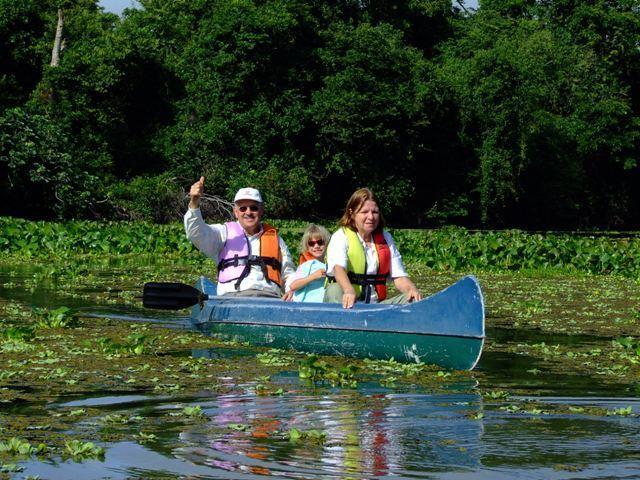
<point x="235" y="259"/>
<point x="232" y="260"/>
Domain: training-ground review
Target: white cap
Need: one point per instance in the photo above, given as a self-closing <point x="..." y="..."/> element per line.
<point x="248" y="194"/>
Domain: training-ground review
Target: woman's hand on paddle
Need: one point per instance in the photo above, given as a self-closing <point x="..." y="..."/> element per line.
<point x="196" y="191"/>
<point x="348" y="298"/>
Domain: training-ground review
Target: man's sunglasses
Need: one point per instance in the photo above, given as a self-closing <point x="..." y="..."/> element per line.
<point x="253" y="208"/>
<point x="313" y="243"/>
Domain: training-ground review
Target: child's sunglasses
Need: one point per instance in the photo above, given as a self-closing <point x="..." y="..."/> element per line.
<point x="313" y="243"/>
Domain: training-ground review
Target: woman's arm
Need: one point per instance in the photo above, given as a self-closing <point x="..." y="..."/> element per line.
<point x="348" y="293"/>
<point x="406" y="286"/>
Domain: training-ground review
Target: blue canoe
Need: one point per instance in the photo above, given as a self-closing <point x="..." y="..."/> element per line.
<point x="446" y="329"/>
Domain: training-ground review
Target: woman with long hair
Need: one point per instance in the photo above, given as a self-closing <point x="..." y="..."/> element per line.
<point x="362" y="257"/>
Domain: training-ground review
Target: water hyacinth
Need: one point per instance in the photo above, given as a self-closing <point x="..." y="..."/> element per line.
<point x="451" y="249"/>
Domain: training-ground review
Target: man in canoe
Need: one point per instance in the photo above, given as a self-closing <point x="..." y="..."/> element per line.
<point x="253" y="260"/>
<point x="362" y="256"/>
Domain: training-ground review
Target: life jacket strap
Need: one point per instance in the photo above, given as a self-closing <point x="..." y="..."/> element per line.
<point x="366" y="281"/>
<point x="248" y="261"/>
<point x="232" y="262"/>
<point x="263" y="263"/>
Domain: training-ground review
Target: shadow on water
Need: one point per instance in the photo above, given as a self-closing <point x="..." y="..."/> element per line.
<point x="505" y="369"/>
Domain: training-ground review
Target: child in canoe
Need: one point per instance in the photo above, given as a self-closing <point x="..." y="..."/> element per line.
<point x="307" y="283"/>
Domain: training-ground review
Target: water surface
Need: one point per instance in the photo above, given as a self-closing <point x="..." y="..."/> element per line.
<point x="524" y="412"/>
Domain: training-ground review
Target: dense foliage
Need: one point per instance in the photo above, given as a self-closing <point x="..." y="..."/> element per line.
<point x="449" y="249"/>
<point x="523" y="114"/>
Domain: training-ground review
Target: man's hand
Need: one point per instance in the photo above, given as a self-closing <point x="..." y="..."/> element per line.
<point x="196" y="191"/>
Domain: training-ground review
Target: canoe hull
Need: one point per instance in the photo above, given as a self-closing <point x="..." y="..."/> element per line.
<point x="446" y="329"/>
<point x="457" y="353"/>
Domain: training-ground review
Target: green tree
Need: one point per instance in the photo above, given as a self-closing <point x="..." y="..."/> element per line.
<point x="367" y="111"/>
<point x="25" y="28"/>
<point x="551" y="125"/>
<point x="41" y="174"/>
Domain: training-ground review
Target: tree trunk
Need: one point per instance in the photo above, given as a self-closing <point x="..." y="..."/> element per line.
<point x="55" y="54"/>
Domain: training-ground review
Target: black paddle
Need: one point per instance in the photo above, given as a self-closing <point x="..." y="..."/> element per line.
<point x="170" y="295"/>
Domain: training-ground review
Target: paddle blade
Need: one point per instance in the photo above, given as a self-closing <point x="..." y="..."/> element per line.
<point x="169" y="296"/>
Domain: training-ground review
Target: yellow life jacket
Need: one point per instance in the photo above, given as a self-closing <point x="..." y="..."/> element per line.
<point x="357" y="265"/>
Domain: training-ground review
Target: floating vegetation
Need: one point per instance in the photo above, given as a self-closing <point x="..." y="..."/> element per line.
<point x="193" y="412"/>
<point x="275" y="358"/>
<point x="79" y="450"/>
<point x="19" y="447"/>
<point x="239" y="427"/>
<point x="622" y="411"/>
<point x="146" y="437"/>
<point x="55" y="353"/>
<point x="120" y="419"/>
<point x="496" y="395"/>
<point x="313" y="368"/>
<point x="310" y="436"/>
<point x="61" y="317"/>
<point x="17" y="333"/>
<point x="134" y="344"/>
<point x="395" y="367"/>
<point x="447" y="249"/>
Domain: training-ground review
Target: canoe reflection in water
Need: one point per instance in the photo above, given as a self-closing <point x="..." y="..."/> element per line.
<point x="366" y="433"/>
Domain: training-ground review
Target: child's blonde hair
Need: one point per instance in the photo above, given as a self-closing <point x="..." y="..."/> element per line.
<point x="314" y="230"/>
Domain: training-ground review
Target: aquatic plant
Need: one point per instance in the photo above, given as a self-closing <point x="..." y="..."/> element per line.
<point x="16" y="333"/>
<point x="312" y="436"/>
<point x="496" y="395"/>
<point x="146" y="437"/>
<point x="449" y="249"/>
<point x="240" y="427"/>
<point x="456" y="249"/>
<point x="120" y="419"/>
<point x="15" y="346"/>
<point x="134" y="344"/>
<point x="630" y="344"/>
<point x="18" y="447"/>
<point x="194" y="412"/>
<point x="622" y="411"/>
<point x="79" y="450"/>
<point x="392" y="366"/>
<point x="342" y="377"/>
<point x="61" y="317"/>
<point x="32" y="239"/>
<point x="10" y="468"/>
<point x="312" y="368"/>
<point x="274" y="358"/>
